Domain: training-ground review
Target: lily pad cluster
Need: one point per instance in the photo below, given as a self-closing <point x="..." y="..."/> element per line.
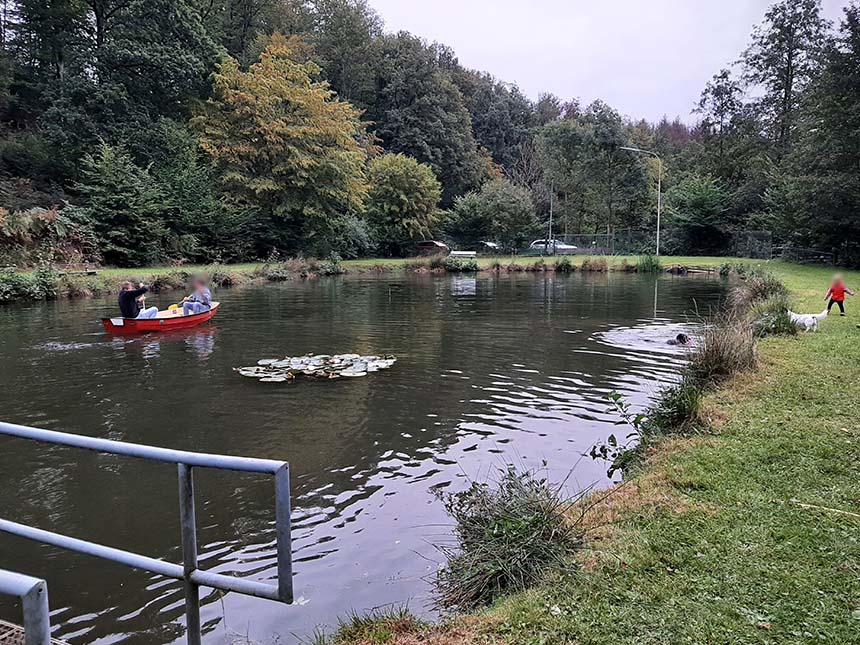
<point x="317" y="366"/>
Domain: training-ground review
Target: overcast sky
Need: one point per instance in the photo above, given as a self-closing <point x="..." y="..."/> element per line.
<point x="646" y="58"/>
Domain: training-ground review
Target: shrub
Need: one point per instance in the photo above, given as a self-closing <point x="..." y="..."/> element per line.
<point x="595" y="265"/>
<point x="457" y="265"/>
<point x="416" y="266"/>
<point x="756" y="286"/>
<point x="771" y="318"/>
<point x="13" y="286"/>
<point x="170" y="281"/>
<point x="508" y="535"/>
<point x="221" y="276"/>
<point x="725" y="348"/>
<point x="648" y="264"/>
<point x="564" y="265"/>
<point x="538" y="266"/>
<point x="438" y="262"/>
<point x="676" y="408"/>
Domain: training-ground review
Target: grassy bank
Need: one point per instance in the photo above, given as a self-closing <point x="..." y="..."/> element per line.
<point x="48" y="283"/>
<point x="748" y="533"/>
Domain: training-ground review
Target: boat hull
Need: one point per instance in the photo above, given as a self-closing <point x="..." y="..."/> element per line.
<point x="165" y="322"/>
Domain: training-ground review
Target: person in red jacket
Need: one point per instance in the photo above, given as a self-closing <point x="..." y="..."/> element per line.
<point x="836" y="294"/>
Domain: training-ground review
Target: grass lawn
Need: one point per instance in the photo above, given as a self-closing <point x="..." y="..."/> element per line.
<point x="747" y="534"/>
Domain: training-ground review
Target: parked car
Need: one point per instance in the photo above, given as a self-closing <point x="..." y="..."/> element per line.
<point x="432" y="247"/>
<point x="487" y="247"/>
<point x="555" y="246"/>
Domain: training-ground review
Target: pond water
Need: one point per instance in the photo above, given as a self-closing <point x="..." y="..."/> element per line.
<point x="491" y="370"/>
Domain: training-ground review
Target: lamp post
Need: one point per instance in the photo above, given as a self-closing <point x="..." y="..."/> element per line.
<point x="659" y="185"/>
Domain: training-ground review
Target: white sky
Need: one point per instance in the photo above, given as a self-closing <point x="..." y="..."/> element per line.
<point x="646" y="58"/>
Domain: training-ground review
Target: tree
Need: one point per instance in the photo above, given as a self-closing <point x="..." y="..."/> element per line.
<point x="783" y="58"/>
<point x="124" y="204"/>
<point x="403" y="202"/>
<point x="500" y="211"/>
<point x="281" y="142"/>
<point x="720" y="103"/>
<point x="346" y="35"/>
<point x="816" y="199"/>
<point x="419" y="111"/>
<point x="698" y="210"/>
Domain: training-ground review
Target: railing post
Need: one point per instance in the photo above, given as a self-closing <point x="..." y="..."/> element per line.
<point x="283" y="533"/>
<point x="37" y="621"/>
<point x="188" y="524"/>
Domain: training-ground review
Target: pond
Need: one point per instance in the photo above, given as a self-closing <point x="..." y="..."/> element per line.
<point x="490" y="370"/>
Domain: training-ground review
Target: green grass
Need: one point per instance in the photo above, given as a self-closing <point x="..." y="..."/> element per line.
<point x="747" y="534"/>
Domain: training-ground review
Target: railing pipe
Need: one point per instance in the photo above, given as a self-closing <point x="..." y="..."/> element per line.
<point x="197" y="459"/>
<point x="33" y="593"/>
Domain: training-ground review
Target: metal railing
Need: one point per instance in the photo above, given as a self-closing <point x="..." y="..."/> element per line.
<point x="33" y="594"/>
<point x="188" y="572"/>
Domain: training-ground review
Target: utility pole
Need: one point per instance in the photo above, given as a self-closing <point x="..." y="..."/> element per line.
<point x="659" y="185"/>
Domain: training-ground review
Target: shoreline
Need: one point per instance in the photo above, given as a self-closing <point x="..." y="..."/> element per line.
<point x="745" y="532"/>
<point x="51" y="284"/>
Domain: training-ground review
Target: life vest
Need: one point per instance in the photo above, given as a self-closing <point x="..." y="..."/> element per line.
<point x="837" y="292"/>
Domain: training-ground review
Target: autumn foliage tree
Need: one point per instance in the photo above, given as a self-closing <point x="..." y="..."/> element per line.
<point x="281" y="141"/>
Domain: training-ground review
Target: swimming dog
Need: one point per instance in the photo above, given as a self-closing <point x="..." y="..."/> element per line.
<point x="807" y="322"/>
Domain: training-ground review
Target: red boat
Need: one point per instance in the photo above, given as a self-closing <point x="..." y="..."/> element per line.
<point x="164" y="321"/>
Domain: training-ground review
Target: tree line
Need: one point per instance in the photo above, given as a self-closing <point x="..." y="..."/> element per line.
<point x="142" y="131"/>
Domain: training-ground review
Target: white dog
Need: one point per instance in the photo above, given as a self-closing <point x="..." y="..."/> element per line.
<point x="807" y="322"/>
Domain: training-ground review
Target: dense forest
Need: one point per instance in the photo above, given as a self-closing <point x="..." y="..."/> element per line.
<point x="143" y="131"/>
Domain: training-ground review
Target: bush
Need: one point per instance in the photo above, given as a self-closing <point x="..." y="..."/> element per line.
<point x="676" y="408"/>
<point x="648" y="264"/>
<point x="595" y="265"/>
<point x="221" y="276"/>
<point x="725" y="348"/>
<point x="438" y="261"/>
<point x="508" y="535"/>
<point x="170" y="281"/>
<point x="13" y="286"/>
<point x="457" y="265"/>
<point x="771" y="318"/>
<point x="564" y="265"/>
<point x="756" y="286"/>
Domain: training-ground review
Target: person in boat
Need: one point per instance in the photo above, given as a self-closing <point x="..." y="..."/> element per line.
<point x="130" y="300"/>
<point x="681" y="340"/>
<point x="199" y="301"/>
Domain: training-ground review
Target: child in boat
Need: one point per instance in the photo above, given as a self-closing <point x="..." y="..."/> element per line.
<point x="199" y="301"/>
<point x="836" y="294"/>
<point x="130" y="300"/>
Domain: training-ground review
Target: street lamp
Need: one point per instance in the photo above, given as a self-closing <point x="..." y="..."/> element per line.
<point x="659" y="185"/>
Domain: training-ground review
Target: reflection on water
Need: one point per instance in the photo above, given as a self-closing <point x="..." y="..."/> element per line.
<point x="491" y="369"/>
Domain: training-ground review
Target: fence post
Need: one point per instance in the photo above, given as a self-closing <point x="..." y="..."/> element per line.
<point x="188" y="524"/>
<point x="37" y="621"/>
<point x="283" y="533"/>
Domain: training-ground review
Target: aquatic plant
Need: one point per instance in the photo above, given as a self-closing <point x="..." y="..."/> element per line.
<point x="648" y="264"/>
<point x="595" y="265"/>
<point x="564" y="265"/>
<point x="508" y="534"/>
<point x="321" y="366"/>
<point x="380" y="625"/>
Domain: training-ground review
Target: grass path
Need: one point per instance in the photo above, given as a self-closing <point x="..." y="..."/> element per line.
<point x="749" y="534"/>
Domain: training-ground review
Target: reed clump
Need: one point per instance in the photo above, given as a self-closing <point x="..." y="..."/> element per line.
<point x="508" y="534"/>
